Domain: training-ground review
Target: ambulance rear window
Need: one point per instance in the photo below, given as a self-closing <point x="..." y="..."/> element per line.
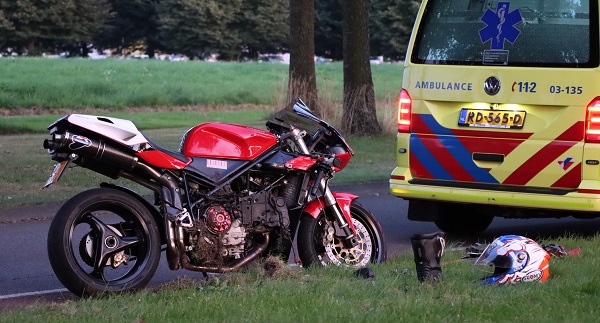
<point x="548" y="33"/>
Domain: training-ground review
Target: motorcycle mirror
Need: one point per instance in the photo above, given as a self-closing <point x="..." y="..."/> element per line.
<point x="301" y="104"/>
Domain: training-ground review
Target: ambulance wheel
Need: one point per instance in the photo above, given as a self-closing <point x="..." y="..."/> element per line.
<point x="459" y="222"/>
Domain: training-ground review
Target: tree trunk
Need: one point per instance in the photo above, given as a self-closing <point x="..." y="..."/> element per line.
<point x="302" y="80"/>
<point x="359" y="115"/>
<point x="83" y="49"/>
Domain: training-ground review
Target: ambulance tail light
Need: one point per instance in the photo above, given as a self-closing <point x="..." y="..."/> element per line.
<point x="404" y="111"/>
<point x="592" y="122"/>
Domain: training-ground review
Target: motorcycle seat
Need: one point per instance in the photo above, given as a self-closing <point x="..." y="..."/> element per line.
<point x="177" y="155"/>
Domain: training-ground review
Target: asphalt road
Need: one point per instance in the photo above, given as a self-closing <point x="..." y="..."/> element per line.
<point x="26" y="275"/>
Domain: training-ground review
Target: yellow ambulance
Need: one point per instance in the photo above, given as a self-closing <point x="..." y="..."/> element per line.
<point x="499" y="113"/>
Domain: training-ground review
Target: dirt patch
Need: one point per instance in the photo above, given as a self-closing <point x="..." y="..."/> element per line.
<point x="28" y="219"/>
<point x="28" y="213"/>
<point x="33" y="301"/>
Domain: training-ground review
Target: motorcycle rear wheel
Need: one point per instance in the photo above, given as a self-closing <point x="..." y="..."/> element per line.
<point x="317" y="245"/>
<point x="103" y="241"/>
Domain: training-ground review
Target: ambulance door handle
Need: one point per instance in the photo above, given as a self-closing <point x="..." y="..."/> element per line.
<point x="483" y="157"/>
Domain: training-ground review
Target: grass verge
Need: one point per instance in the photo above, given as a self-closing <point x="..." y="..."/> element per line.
<point x="336" y="295"/>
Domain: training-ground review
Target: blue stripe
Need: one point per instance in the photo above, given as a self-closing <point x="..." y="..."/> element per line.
<point x="454" y="146"/>
<point x="418" y="150"/>
<point x="434" y="126"/>
<point x="465" y="159"/>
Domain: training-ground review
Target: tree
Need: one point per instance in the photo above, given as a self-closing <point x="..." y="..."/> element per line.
<point x="36" y="25"/>
<point x="134" y="22"/>
<point x="359" y="115"/>
<point x="20" y="22"/>
<point x="302" y="80"/>
<point x="391" y="23"/>
<point x="87" y="19"/>
<point x="263" y="26"/>
<point x="199" y="27"/>
<point x="328" y="29"/>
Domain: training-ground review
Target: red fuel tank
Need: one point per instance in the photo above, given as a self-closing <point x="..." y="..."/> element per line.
<point x="222" y="140"/>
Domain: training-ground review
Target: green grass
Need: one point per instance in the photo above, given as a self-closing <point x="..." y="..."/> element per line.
<point x="143" y="120"/>
<point x="336" y="295"/>
<point x="48" y="84"/>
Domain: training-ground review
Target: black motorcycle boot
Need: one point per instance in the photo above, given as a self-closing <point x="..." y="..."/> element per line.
<point x="428" y="250"/>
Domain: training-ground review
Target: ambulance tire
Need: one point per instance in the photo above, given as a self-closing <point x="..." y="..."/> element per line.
<point x="470" y="223"/>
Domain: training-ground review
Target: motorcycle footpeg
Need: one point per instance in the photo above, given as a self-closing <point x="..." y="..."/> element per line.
<point x="181" y="218"/>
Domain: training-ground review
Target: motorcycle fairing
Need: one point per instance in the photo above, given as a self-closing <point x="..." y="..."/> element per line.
<point x="215" y="169"/>
<point x="226" y="141"/>
<point x="304" y="163"/>
<point x="201" y="167"/>
<point x="162" y="159"/>
<point x="344" y="158"/>
<point x="120" y="130"/>
<point x="301" y="163"/>
<point x="344" y="200"/>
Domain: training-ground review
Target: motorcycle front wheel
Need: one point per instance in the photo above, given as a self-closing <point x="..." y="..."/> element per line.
<point x="318" y="244"/>
<point x="103" y="241"/>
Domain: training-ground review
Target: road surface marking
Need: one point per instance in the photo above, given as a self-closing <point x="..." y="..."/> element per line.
<point x="43" y="292"/>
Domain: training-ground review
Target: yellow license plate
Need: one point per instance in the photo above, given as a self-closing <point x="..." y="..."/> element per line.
<point x="492" y="118"/>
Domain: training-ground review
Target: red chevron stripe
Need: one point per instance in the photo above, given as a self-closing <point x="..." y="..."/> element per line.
<point x="571" y="179"/>
<point x="537" y="162"/>
<point x="575" y="133"/>
<point x="492" y="134"/>
<point x="445" y="158"/>
<point x="588" y="191"/>
<point x="418" y="125"/>
<point x="417" y="169"/>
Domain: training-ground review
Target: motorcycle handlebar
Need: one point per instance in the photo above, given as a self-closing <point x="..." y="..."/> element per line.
<point x="323" y="166"/>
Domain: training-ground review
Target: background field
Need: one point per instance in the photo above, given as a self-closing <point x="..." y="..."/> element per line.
<point x="49" y="84"/>
<point x="164" y="99"/>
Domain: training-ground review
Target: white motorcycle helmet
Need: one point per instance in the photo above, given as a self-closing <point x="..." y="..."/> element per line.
<point x="514" y="259"/>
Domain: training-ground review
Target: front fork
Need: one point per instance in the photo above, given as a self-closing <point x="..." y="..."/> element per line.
<point x="344" y="221"/>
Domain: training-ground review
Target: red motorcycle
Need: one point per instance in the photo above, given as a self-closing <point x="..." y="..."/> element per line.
<point x="230" y="195"/>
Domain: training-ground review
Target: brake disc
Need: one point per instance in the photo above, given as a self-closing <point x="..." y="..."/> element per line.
<point x="357" y="256"/>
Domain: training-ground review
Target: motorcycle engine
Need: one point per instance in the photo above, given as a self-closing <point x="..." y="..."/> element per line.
<point x="218" y="235"/>
<point x="217" y="219"/>
<point x="224" y="225"/>
<point x="232" y="234"/>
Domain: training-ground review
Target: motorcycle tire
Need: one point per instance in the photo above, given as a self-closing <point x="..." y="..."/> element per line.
<point x="317" y="245"/>
<point x="103" y="241"/>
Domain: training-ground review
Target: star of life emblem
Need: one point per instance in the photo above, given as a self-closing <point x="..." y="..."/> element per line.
<point x="500" y="25"/>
